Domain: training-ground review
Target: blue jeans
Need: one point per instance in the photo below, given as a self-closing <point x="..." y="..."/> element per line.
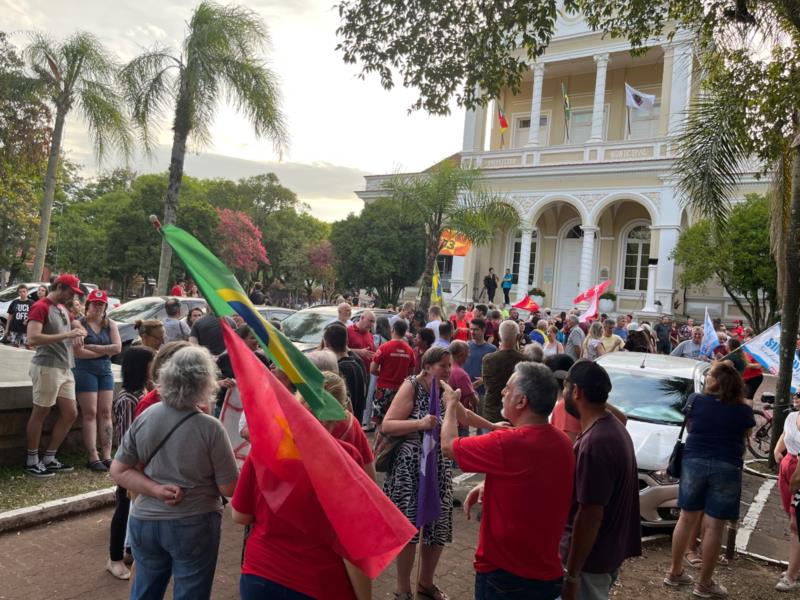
<point x="502" y="584"/>
<point x="711" y="485"/>
<point x="185" y="549"/>
<point x="252" y="587"/>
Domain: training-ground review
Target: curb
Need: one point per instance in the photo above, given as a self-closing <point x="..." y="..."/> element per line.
<point x="55" y="509"/>
<point x="752" y="471"/>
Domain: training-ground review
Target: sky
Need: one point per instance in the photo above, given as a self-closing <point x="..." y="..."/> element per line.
<point x="341" y="127"/>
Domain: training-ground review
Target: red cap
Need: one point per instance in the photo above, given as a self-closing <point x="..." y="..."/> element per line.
<point x="97" y="296"/>
<point x="71" y="281"/>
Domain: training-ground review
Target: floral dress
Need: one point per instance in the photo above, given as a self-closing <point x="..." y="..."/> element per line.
<point x="402" y="482"/>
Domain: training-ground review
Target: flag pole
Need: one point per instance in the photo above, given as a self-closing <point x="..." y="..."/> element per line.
<point x="628" y="113"/>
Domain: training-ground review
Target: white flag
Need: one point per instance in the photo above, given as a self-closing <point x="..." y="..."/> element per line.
<point x="766" y="348"/>
<point x="638" y="100"/>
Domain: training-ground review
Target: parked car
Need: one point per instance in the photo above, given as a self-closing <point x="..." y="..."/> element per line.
<point x="8" y="295"/>
<point x="149" y="307"/>
<point x="651" y="389"/>
<point x="305" y="327"/>
<point x="275" y="313"/>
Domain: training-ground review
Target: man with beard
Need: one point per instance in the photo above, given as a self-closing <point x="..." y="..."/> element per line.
<point x="603" y="528"/>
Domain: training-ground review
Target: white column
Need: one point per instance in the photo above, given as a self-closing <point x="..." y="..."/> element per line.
<point x="587" y="277"/>
<point x="474" y="129"/>
<point x="536" y="104"/>
<point x="681" y="86"/>
<point x="650" y="299"/>
<point x="524" y="262"/>
<point x="598" y="111"/>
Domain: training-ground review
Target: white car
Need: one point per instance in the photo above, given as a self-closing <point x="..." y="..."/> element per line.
<point x="651" y="389"/>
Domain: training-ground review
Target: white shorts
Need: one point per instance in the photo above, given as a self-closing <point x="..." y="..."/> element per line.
<point x="50" y="383"/>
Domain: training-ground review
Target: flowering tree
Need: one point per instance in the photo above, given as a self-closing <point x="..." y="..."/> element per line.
<point x="240" y="241"/>
<point x="320" y="261"/>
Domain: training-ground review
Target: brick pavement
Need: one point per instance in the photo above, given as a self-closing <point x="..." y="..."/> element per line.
<point x="66" y="560"/>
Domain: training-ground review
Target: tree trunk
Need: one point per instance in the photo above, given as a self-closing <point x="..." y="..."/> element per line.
<point x="171" y="202"/>
<point x="789" y="312"/>
<point x="49" y="195"/>
<point x="431" y="252"/>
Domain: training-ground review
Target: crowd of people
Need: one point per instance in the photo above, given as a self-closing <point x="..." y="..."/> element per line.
<point x="524" y="402"/>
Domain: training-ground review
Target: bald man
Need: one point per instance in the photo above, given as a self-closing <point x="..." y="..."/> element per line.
<point x="345" y="312"/>
<point x="360" y="340"/>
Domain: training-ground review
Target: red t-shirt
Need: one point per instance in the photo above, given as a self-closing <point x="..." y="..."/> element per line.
<point x="147" y="401"/>
<point x="563" y="421"/>
<point x="489" y="333"/>
<point x="356" y="340"/>
<point x="350" y="431"/>
<point x="460" y="329"/>
<point x="460" y="380"/>
<point x="176" y="290"/>
<point x="529" y="476"/>
<point x="396" y="360"/>
<point x="279" y="551"/>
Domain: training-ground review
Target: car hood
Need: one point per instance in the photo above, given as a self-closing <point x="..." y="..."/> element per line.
<point x="127" y="332"/>
<point x="653" y="443"/>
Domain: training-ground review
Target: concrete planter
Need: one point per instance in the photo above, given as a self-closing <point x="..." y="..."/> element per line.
<point x="606" y="305"/>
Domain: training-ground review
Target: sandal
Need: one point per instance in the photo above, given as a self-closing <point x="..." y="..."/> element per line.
<point x="433" y="593"/>
<point x="107" y="462"/>
<point x="693" y="559"/>
<point x="97" y="466"/>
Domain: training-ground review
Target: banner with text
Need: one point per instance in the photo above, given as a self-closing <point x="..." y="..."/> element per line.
<point x="765" y="348"/>
<point x="454" y="244"/>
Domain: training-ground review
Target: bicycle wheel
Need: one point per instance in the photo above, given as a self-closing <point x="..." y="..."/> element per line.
<point x="760" y="437"/>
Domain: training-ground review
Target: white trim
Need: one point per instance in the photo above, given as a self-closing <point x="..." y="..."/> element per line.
<point x="511" y="238"/>
<point x="562" y="232"/>
<point x="621" y="252"/>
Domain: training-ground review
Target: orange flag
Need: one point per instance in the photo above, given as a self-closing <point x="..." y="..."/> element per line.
<point x="300" y="466"/>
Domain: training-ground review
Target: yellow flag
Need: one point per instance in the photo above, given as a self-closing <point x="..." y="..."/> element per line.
<point x="436" y="285"/>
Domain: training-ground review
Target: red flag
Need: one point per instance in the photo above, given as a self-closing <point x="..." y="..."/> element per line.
<point x="591" y="292"/>
<point x="299" y="464"/>
<point x="527" y="303"/>
<point x="503" y="121"/>
<point x="590" y="313"/>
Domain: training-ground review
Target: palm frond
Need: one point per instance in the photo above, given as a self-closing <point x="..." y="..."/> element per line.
<point x="43" y="56"/>
<point x="148" y="85"/>
<point x="105" y="117"/>
<point x="711" y="152"/>
<point x="480" y="215"/>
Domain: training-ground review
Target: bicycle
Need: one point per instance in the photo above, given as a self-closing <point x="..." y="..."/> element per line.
<point x="760" y="438"/>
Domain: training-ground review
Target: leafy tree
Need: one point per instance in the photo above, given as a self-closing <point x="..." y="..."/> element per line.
<point x="218" y="59"/>
<point x="78" y="72"/>
<point x="381" y="248"/>
<point x="240" y="242"/>
<point x="258" y="196"/>
<point x="321" y="269"/>
<point x="739" y="258"/>
<point x="748" y="107"/>
<point x="24" y="143"/>
<point x="449" y="198"/>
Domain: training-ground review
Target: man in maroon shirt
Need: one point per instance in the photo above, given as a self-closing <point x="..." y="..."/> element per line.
<point x="360" y="340"/>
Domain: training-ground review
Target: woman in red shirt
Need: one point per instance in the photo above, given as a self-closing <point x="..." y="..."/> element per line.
<point x="284" y="561"/>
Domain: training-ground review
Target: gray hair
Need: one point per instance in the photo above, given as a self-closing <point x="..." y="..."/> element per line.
<point x="188" y="379"/>
<point x="534" y="352"/>
<point x="541" y="324"/>
<point x="509" y="331"/>
<point x="596" y="330"/>
<point x="324" y="360"/>
<point x="573" y="319"/>
<point x="537" y="383"/>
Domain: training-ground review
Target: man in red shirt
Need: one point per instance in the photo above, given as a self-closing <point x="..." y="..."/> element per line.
<point x="460" y="324"/>
<point x="529" y="477"/>
<point x="360" y="340"/>
<point x="177" y="289"/>
<point x="392" y="363"/>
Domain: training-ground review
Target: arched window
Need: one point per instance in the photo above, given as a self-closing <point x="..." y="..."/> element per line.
<point x="516" y="255"/>
<point x="637" y="255"/>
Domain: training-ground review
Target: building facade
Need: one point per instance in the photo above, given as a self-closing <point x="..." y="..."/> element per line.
<point x="593" y="184"/>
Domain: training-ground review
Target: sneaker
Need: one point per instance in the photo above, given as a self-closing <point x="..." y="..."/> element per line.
<point x="678" y="580"/>
<point x="786" y="585"/>
<point x="38" y="470"/>
<point x="97" y="466"/>
<point x="710" y="590"/>
<point x="56" y="466"/>
<point x="118" y="569"/>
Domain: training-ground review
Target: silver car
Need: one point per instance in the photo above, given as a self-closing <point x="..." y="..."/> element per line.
<point x="651" y="389"/>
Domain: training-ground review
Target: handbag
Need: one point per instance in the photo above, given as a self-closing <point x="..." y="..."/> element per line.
<point x="385" y="450"/>
<point x="676" y="458"/>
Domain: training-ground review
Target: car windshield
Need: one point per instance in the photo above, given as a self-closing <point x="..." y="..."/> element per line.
<point x="134" y="310"/>
<point x="9" y="294"/>
<point x="656" y="399"/>
<point x="306" y="327"/>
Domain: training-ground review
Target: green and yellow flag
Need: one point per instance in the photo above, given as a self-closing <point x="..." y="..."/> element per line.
<point x="436" y="286"/>
<point x="226" y="297"/>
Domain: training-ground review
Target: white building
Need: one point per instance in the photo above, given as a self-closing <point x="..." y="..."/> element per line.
<point x="599" y="202"/>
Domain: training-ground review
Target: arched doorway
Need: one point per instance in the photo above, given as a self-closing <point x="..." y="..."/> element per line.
<point x="568" y="267"/>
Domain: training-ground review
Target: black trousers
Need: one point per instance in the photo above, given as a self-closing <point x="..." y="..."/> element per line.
<point x="119" y="524"/>
<point x="490" y="292"/>
<point x="505" y="296"/>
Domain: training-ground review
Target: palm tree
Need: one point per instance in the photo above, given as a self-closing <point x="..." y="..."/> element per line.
<point x="447" y="197"/>
<point x="723" y="134"/>
<point x="218" y="59"/>
<point x="78" y="72"/>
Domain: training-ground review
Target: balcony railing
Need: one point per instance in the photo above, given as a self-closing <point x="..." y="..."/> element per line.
<point x="611" y="151"/>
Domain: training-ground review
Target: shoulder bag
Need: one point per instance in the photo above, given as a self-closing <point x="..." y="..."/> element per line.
<point x="166" y="437"/>
<point x="676" y="458"/>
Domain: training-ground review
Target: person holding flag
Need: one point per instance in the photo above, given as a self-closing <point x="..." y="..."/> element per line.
<point x="419" y="481"/>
